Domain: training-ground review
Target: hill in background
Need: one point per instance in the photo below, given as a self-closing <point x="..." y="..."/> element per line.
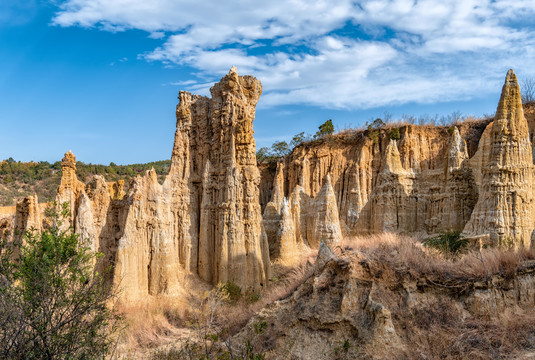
<point x="18" y="179"/>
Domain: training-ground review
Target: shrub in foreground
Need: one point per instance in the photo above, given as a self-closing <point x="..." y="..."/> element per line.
<point x="52" y="304"/>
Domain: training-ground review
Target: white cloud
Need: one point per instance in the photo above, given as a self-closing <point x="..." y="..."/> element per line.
<point x="425" y="51"/>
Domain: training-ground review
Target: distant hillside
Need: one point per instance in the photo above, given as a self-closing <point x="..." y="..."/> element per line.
<point x="18" y="179"/>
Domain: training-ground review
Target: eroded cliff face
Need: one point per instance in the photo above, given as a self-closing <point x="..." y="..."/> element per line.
<point x="204" y="219"/>
<point x="474" y="177"/>
<point x="415" y="184"/>
<point x="299" y="223"/>
<point x="353" y="308"/>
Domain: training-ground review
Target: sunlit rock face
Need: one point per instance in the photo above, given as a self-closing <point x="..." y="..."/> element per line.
<point x="473" y="177"/>
<point x="504" y="209"/>
<point x="224" y="175"/>
<point x="204" y="219"/>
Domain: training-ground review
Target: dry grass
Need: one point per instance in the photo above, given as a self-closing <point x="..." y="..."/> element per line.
<point x="435" y="327"/>
<point x="166" y="322"/>
<point x="437" y="330"/>
<point x="154" y="322"/>
<point x="407" y="255"/>
<point x="285" y="280"/>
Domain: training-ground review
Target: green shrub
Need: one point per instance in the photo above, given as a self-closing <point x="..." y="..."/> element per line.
<point x="52" y="304"/>
<point x="230" y="291"/>
<point x="327" y="128"/>
<point x="253" y="297"/>
<point x="260" y="327"/>
<point x="394" y="134"/>
<point x="448" y="242"/>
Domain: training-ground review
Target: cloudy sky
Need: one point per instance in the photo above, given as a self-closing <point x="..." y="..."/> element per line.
<point x="101" y="77"/>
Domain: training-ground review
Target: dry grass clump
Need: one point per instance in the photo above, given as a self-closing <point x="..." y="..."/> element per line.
<point x="169" y="322"/>
<point x="154" y="322"/>
<point x="437" y="330"/>
<point x="407" y="255"/>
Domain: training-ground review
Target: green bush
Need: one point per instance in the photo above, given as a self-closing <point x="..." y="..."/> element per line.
<point x="230" y="291"/>
<point x="373" y="129"/>
<point x="260" y="327"/>
<point x="448" y="242"/>
<point x="327" y="128"/>
<point x="394" y="134"/>
<point x="253" y="297"/>
<point x="52" y="304"/>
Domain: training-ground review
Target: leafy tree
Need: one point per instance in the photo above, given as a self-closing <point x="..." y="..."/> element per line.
<point x="297" y="140"/>
<point x="327" y="128"/>
<point x="262" y="154"/>
<point x="52" y="304"/>
<point x="280" y="148"/>
<point x="376" y="124"/>
<point x="373" y="129"/>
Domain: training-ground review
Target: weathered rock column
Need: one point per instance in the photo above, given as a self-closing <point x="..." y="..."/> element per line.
<point x="225" y="178"/>
<point x="70" y="187"/>
<point x="504" y="209"/>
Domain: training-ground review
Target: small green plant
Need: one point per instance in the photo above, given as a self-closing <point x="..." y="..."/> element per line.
<point x="343" y="348"/>
<point x="448" y="242"/>
<point x="230" y="291"/>
<point x="394" y="134"/>
<point x="253" y="297"/>
<point x="373" y="135"/>
<point x="275" y="279"/>
<point x="260" y="327"/>
<point x="250" y="354"/>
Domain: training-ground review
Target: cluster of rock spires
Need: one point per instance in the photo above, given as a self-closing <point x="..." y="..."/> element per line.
<point x="206" y="217"/>
<point x="425" y="182"/>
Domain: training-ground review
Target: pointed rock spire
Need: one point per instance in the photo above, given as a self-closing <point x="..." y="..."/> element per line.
<point x="278" y="187"/>
<point x="505" y="204"/>
<point x="509" y="120"/>
<point x="288" y="246"/>
<point x="457" y="152"/>
<point x="324" y="222"/>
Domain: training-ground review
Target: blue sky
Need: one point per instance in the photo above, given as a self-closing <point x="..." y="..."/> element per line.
<point x="101" y="77"/>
